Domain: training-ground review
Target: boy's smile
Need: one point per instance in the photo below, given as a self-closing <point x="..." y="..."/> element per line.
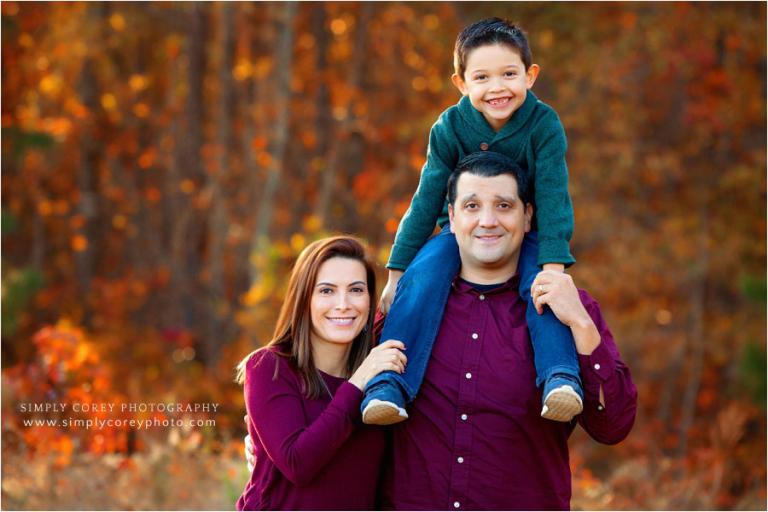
<point x="496" y="82"/>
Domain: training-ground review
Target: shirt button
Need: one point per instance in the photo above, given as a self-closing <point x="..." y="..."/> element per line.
<point x="464" y="417"/>
<point x="460" y="460"/>
<point x="468" y="375"/>
<point x="474" y="336"/>
<point x="600" y="407"/>
<point x="484" y="146"/>
<point x="482" y="297"/>
<point x="597" y="366"/>
<point x="456" y="504"/>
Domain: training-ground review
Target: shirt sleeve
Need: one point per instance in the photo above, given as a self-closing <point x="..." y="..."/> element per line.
<point x="427" y="203"/>
<point x="554" y="209"/>
<point x="609" y="423"/>
<point x="299" y="448"/>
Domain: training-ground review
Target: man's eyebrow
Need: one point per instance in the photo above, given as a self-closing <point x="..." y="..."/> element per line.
<point x="468" y="197"/>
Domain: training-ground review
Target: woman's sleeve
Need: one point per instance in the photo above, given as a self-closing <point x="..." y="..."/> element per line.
<point x="298" y="447"/>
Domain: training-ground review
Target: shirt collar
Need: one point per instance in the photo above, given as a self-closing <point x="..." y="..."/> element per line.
<point x="461" y="286"/>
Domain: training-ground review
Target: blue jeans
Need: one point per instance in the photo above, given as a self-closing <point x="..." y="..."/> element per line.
<point x="417" y="311"/>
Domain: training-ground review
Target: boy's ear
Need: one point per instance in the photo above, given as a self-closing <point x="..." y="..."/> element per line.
<point x="459" y="83"/>
<point x="531" y="74"/>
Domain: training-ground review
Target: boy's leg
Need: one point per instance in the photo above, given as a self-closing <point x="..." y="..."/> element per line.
<point x="414" y="318"/>
<point x="557" y="365"/>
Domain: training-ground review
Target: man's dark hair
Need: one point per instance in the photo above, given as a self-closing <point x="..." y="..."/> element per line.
<point x="487" y="32"/>
<point x="489" y="164"/>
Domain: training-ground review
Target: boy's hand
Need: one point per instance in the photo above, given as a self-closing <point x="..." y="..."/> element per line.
<point x="557" y="267"/>
<point x="388" y="295"/>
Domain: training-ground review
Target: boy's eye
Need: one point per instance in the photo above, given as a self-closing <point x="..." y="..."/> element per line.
<point x="480" y="77"/>
<point x="510" y="74"/>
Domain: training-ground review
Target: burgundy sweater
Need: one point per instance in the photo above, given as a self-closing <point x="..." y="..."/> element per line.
<point x="310" y="454"/>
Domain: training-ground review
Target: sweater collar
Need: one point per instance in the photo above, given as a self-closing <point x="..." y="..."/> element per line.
<point x="475" y="119"/>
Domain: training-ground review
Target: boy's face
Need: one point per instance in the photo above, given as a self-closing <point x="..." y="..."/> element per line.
<point x="496" y="82"/>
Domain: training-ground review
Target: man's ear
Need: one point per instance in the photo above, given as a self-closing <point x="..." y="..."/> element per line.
<point x="531" y="75"/>
<point x="459" y="83"/>
<point x="450" y="217"/>
<point x="528" y="216"/>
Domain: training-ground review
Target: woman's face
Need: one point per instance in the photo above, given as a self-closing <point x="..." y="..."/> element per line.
<point x="340" y="302"/>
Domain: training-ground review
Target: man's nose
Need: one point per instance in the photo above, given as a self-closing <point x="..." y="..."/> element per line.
<point x="488" y="217"/>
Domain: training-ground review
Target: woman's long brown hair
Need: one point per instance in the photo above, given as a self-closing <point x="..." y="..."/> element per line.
<point x="294" y="324"/>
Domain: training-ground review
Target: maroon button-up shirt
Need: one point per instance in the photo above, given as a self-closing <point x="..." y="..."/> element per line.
<point x="475" y="438"/>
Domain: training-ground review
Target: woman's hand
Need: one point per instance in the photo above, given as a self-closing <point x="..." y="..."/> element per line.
<point x="388" y="294"/>
<point x="386" y="356"/>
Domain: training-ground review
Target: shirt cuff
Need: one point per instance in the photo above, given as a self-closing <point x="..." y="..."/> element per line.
<point x="597" y="367"/>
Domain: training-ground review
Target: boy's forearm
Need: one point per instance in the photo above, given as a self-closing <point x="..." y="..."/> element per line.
<point x="557" y="267"/>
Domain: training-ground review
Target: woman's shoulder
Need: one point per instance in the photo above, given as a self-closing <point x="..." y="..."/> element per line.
<point x="269" y="362"/>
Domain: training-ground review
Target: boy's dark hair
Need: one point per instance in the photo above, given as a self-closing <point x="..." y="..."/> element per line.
<point x="489" y="164"/>
<point x="487" y="32"/>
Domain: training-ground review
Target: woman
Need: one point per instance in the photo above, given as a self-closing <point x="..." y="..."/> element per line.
<point x="303" y="390"/>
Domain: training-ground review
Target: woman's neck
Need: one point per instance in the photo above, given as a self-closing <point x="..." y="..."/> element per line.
<point x="331" y="358"/>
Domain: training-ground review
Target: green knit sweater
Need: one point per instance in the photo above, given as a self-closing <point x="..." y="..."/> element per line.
<point x="533" y="137"/>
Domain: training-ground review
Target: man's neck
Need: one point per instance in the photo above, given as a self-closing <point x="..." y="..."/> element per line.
<point x="487" y="276"/>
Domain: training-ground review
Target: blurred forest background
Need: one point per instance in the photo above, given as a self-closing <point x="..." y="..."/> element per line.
<point x="164" y="163"/>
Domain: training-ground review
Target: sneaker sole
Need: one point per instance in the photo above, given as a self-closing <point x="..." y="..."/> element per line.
<point x="383" y="413"/>
<point x="562" y="405"/>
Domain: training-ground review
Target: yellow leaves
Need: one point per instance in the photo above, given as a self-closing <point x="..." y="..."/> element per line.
<point x="187" y="186"/>
<point x="108" y="101"/>
<point x="298" y="242"/>
<point x="138" y="82"/>
<point x="663" y="317"/>
<point x="243" y="70"/>
<point x="141" y="110"/>
<point x="312" y="223"/>
<point x="419" y="83"/>
<point x="263" y="67"/>
<point x="117" y="22"/>
<point x="546" y="39"/>
<point x="119" y="221"/>
<point x="50" y="84"/>
<point x="78" y="243"/>
<point x="147" y="158"/>
<point x="338" y="26"/>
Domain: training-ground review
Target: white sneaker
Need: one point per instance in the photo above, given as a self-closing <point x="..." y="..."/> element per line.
<point x="561" y="404"/>
<point x="379" y="412"/>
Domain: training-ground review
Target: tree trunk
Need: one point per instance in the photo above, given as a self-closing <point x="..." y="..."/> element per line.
<point x="345" y="144"/>
<point x="217" y="220"/>
<point x="282" y="94"/>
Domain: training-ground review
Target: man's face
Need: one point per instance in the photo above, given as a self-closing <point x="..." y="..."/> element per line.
<point x="496" y="82"/>
<point x="489" y="220"/>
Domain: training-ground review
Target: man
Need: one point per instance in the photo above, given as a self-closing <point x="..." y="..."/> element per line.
<point x="475" y="438"/>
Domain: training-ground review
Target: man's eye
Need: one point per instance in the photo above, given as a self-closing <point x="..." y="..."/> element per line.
<point x="505" y="206"/>
<point x="470" y="206"/>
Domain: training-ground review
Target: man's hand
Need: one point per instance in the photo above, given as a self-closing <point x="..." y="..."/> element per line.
<point x="556" y="290"/>
<point x="249" y="451"/>
<point x="388" y="295"/>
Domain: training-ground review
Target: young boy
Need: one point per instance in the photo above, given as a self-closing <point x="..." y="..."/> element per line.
<point x="494" y="72"/>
